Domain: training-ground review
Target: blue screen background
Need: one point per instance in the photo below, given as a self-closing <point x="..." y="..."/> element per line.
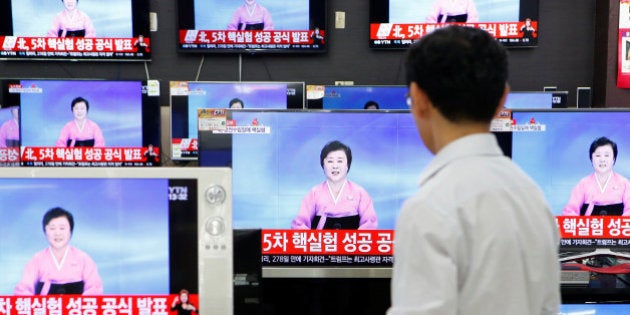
<point x="406" y="11"/>
<point x="272" y="172"/>
<point x="121" y="223"/>
<point x="116" y="106"/>
<point x="559" y="157"/>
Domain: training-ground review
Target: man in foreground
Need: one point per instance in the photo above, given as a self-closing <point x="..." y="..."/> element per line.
<point x="478" y="237"/>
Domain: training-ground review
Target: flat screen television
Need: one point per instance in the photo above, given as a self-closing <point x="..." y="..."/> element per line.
<point x="552" y="146"/>
<point x="187" y="97"/>
<point x="84" y="122"/>
<point x="116" y="30"/>
<point x="356" y="96"/>
<point x="259" y="26"/>
<point x="396" y="24"/>
<point x="145" y="235"/>
<point x="275" y="157"/>
<point x="276" y="161"/>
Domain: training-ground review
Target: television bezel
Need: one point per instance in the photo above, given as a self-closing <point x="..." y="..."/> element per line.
<point x="214" y="220"/>
<point x="141" y="25"/>
<point x="378" y="9"/>
<point x="571" y="291"/>
<point x="185" y="20"/>
<point x="150" y="111"/>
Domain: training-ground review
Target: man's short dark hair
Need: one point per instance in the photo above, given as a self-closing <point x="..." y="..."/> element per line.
<point x="600" y="142"/>
<point x="57" y="212"/>
<point x="335" y="145"/>
<point x="371" y="103"/>
<point x="463" y="71"/>
<point x="236" y="100"/>
<point x="79" y="100"/>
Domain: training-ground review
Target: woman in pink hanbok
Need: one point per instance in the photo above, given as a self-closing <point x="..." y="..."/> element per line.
<point x="71" y="22"/>
<point x="604" y="192"/>
<point x="60" y="268"/>
<point x="337" y="203"/>
<point x="449" y="11"/>
<point x="251" y="16"/>
<point x="10" y="130"/>
<point x="81" y="131"/>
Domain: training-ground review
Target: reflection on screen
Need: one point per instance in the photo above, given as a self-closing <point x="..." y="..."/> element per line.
<point x="558" y="157"/>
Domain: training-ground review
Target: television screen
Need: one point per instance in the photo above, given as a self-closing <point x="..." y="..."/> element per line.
<point x="126" y="241"/>
<point x="275" y="156"/>
<point x="396" y="24"/>
<point x="9" y="135"/>
<point x="84" y="122"/>
<point x="529" y="100"/>
<point x="554" y="148"/>
<point x="187" y="97"/>
<point x="115" y="30"/>
<point x="252" y="26"/>
<point x="594" y="309"/>
<point x="356" y="96"/>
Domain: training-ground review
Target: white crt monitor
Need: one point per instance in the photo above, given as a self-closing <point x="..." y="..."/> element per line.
<point x="141" y="240"/>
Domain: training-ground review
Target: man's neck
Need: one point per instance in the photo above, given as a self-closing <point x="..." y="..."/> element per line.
<point x="446" y="131"/>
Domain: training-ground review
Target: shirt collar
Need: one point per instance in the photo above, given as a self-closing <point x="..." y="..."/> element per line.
<point x="467" y="146"/>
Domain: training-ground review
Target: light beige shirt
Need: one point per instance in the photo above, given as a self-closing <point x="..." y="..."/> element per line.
<point x="477" y="238"/>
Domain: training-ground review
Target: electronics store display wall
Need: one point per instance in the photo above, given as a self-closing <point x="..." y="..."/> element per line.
<point x="564" y="56"/>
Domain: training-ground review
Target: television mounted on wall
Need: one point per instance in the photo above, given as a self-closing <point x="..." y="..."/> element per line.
<point x="251" y="26"/>
<point x="396" y="24"/>
<point x="115" y="30"/>
<point x="82" y="123"/>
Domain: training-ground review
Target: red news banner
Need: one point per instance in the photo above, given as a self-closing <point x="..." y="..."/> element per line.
<point x="67" y="44"/>
<point x="415" y="31"/>
<point x="84" y="154"/>
<point x="245" y="37"/>
<point x="327" y="247"/>
<point x="594" y="227"/>
<point x="86" y="305"/>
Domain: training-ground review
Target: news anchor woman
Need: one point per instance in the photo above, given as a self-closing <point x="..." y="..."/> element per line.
<point x="450" y="11"/>
<point x="60" y="268"/>
<point x="72" y="22"/>
<point x="81" y="131"/>
<point x="604" y="192"/>
<point x="337" y="203"/>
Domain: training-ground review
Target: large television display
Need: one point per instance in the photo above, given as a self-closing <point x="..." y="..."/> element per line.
<point x="276" y="162"/>
<point x="187" y="97"/>
<point x="553" y="147"/>
<point x="252" y="26"/>
<point x="396" y="24"/>
<point x="116" y="30"/>
<point x="116" y="241"/>
<point x="83" y="123"/>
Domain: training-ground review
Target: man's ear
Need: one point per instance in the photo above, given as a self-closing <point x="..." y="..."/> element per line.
<point x="420" y="102"/>
<point x="506" y="91"/>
